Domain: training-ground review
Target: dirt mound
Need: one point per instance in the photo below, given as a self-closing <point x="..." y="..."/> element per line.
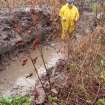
<point x="18" y="26"/>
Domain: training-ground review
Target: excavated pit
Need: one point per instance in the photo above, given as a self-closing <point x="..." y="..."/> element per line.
<point x="13" y="79"/>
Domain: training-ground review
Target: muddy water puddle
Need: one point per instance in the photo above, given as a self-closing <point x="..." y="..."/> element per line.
<point x="15" y="71"/>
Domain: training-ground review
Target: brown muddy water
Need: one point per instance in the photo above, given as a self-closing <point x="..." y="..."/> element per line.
<point x="14" y="74"/>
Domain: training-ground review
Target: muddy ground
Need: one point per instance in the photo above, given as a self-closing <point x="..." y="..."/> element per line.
<point x="17" y="79"/>
<point x="13" y="74"/>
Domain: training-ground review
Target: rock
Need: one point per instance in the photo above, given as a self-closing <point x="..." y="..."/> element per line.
<point x="54" y="91"/>
<point x="5" y="37"/>
<point x="22" y="87"/>
<point x="1" y="68"/>
<point x="59" y="80"/>
<point x="47" y="85"/>
<point x="29" y="75"/>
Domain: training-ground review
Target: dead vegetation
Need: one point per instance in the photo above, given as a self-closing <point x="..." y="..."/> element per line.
<point x="81" y="81"/>
<point x="86" y="58"/>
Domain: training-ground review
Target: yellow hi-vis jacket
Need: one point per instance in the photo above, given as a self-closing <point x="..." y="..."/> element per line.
<point x="68" y="18"/>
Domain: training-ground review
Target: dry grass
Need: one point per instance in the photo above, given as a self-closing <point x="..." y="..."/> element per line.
<point x="84" y="85"/>
<point x="12" y="3"/>
<point x="15" y="3"/>
<point x="84" y="80"/>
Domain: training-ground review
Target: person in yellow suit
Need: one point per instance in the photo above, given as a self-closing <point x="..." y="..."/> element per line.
<point x="69" y="15"/>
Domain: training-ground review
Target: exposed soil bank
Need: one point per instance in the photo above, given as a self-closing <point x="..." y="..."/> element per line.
<point x="23" y="25"/>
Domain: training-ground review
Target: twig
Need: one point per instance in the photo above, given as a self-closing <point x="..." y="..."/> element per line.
<point x="67" y="99"/>
<point x="41" y="52"/>
<point x="38" y="76"/>
<point x="99" y="87"/>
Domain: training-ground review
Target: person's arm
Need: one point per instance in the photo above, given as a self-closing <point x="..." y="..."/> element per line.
<point x="77" y="15"/>
<point x="61" y="13"/>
